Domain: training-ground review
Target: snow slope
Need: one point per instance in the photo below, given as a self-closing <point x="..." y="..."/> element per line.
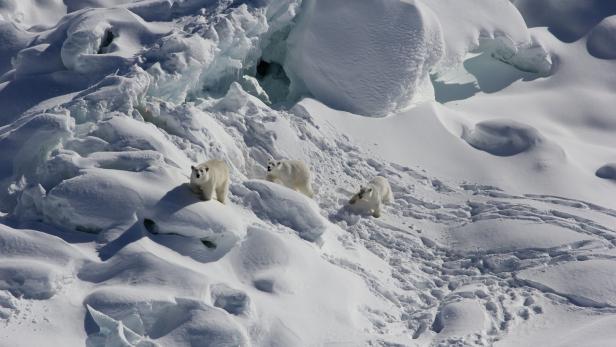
<point x="493" y="124"/>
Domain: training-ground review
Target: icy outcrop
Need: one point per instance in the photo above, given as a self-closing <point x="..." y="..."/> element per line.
<point x="368" y="57"/>
<point x="602" y="39"/>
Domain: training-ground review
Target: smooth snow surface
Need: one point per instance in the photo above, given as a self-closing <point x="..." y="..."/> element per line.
<point x="340" y="52"/>
<point x="492" y="120"/>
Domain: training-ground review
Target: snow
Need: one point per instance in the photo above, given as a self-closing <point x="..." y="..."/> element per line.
<point x="287" y="207"/>
<point x="503" y="138"/>
<point x="586" y="283"/>
<point x="503" y="236"/>
<point x="601" y="39"/>
<point x="607" y="171"/>
<point x="492" y="120"/>
<point x="338" y="53"/>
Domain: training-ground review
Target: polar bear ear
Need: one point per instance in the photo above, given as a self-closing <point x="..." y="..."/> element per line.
<point x="207" y="169"/>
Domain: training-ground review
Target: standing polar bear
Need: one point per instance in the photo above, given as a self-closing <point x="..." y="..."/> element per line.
<point x="209" y="178"/>
<point x="293" y="174"/>
<point x="371" y="197"/>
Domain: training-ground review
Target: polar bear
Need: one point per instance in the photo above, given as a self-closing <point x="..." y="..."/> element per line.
<point x="371" y="197"/>
<point x="294" y="174"/>
<point x="210" y="177"/>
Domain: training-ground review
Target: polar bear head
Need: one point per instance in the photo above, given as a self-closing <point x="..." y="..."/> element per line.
<point x="365" y="193"/>
<point x="199" y="174"/>
<point x="272" y="165"/>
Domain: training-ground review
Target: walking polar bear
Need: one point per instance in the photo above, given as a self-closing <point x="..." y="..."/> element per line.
<point x="293" y="174"/>
<point x="209" y="178"/>
<point x="371" y="197"/>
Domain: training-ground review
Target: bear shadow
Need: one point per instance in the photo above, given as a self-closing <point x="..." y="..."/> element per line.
<point x="176" y="199"/>
<point x="182" y="196"/>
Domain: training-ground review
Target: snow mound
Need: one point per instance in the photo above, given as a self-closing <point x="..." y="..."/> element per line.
<point x="267" y="260"/>
<point x="31" y="279"/>
<point x="180" y="211"/>
<point x="287" y="207"/>
<point x="586" y="283"/>
<point x="601" y="41"/>
<point x="15" y="243"/>
<point x="13" y="40"/>
<point x="128" y="319"/>
<point x="23" y="146"/>
<point x="469" y="24"/>
<point x="369" y="57"/>
<point x="75" y="203"/>
<point x="458" y="319"/>
<point x="607" y="171"/>
<point x="113" y="333"/>
<point x="503" y="137"/>
<point x="263" y="257"/>
<point x="89" y="41"/>
<point x="97" y="38"/>
<point x="567" y="20"/>
<point x="134" y="264"/>
<point x="502" y="236"/>
<point x="27" y="13"/>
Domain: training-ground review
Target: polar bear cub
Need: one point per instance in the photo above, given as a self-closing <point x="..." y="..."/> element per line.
<point x="211" y="177"/>
<point x="293" y="174"/>
<point x="371" y="197"/>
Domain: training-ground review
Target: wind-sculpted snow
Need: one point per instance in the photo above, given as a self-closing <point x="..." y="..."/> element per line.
<point x="503" y="138"/>
<point x="567" y="20"/>
<point x="341" y="53"/>
<point x="105" y="105"/>
<point x="287" y="207"/>
<point x="602" y="39"/>
<point x="607" y="171"/>
<point x="586" y="283"/>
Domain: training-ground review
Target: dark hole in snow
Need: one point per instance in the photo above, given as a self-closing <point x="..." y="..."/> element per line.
<point x="264" y="285"/>
<point x="208" y="243"/>
<point x="438" y="325"/>
<point x="106" y="41"/>
<point x="262" y="68"/>
<point x="607" y="171"/>
<point x="150" y="225"/>
<point x="274" y="80"/>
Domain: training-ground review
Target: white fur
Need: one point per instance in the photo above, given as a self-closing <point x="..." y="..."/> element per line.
<point x="293" y="174"/>
<point x="371" y="197"/>
<point x="209" y="178"/>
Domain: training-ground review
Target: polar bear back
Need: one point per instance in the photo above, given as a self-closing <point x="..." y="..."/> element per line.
<point x="218" y="170"/>
<point x="381" y="187"/>
<point x="293" y="172"/>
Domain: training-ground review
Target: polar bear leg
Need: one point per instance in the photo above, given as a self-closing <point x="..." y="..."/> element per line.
<point x="307" y="190"/>
<point x="377" y="212"/>
<point x="389" y="197"/>
<point x="221" y="192"/>
<point x="207" y="191"/>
